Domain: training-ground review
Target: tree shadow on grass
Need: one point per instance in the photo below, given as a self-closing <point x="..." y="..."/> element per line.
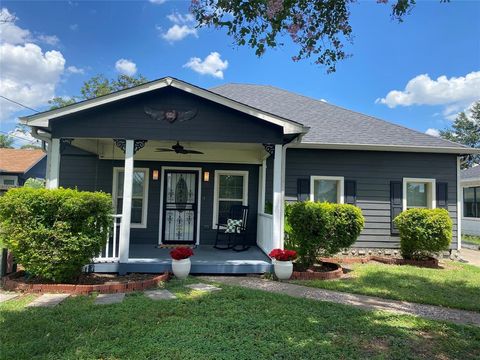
<point x="233" y="323"/>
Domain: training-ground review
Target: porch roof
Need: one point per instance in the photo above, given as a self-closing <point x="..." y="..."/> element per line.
<point x="43" y="119"/>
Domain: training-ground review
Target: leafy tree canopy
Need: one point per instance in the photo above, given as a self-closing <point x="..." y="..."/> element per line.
<point x="466" y="130"/>
<point x="6" y="142"/>
<point x="319" y="28"/>
<point x="97" y="86"/>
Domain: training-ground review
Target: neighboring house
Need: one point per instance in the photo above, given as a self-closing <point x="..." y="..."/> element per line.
<point x="252" y="145"/>
<point x="17" y="165"/>
<point x="471" y="201"/>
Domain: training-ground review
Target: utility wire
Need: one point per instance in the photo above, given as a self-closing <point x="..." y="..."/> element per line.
<point x="16" y="102"/>
<point x="18" y="137"/>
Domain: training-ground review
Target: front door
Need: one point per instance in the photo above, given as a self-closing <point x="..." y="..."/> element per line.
<point x="180" y="207"/>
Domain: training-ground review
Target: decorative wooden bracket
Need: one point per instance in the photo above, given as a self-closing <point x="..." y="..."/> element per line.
<point x="64" y="142"/>
<point x="270" y="148"/>
<point x="137" y="144"/>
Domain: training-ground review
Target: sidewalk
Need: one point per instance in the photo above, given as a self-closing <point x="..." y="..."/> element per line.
<point x="472" y="256"/>
<point x="362" y="301"/>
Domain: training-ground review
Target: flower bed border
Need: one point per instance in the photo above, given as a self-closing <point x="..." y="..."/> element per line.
<point x="429" y="263"/>
<point x="312" y="275"/>
<point x="12" y="283"/>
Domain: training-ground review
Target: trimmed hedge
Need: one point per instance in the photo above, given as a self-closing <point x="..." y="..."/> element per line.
<point x="322" y="229"/>
<point x="53" y="233"/>
<point x="424" y="232"/>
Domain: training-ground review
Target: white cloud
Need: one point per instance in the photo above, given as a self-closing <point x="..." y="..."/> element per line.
<point x="75" y="70"/>
<point x="211" y="65"/>
<point x="11" y="33"/>
<point x="29" y="75"/>
<point x="23" y="138"/>
<point x="126" y="67"/>
<point x="48" y="39"/>
<point x="158" y="2"/>
<point x="183" y="26"/>
<point x="433" y="132"/>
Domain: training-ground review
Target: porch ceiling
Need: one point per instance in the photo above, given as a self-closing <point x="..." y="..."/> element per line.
<point x="212" y="151"/>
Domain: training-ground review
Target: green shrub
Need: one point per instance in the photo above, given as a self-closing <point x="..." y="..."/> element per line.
<point x="424" y="232"/>
<point x="322" y="229"/>
<point x="53" y="233"/>
<point x="34" y="183"/>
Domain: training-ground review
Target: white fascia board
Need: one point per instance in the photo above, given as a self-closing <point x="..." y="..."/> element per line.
<point x="42" y="119"/>
<point x="393" y="148"/>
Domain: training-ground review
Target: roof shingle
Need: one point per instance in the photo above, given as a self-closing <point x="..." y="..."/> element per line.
<point x="19" y="160"/>
<point x="472" y="173"/>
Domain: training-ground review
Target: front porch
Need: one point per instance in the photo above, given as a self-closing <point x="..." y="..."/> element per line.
<point x="146" y="258"/>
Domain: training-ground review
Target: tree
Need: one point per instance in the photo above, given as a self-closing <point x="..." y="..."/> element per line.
<point x="466" y="130"/>
<point x="319" y="28"/>
<point x="98" y="85"/>
<point x="6" y="142"/>
<point x="30" y="147"/>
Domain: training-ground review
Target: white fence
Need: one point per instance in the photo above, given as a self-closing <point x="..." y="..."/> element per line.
<point x="110" y="252"/>
<point x="265" y="232"/>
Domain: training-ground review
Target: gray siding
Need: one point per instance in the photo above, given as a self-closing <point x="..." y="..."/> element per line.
<point x="373" y="172"/>
<point x="84" y="171"/>
<point x="126" y="119"/>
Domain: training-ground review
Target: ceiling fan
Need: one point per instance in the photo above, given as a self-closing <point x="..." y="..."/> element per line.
<point x="178" y="149"/>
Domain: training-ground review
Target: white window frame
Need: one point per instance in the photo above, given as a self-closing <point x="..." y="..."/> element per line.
<point x="340" y="186"/>
<point x="116" y="171"/>
<point x="9" y="177"/>
<point x="216" y="193"/>
<point x="431" y="195"/>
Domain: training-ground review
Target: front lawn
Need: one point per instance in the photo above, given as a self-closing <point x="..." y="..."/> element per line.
<point x="456" y="285"/>
<point x="472" y="239"/>
<point x="233" y="323"/>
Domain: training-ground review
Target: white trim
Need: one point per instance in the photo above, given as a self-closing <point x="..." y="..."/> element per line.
<point x="379" y="147"/>
<point x="216" y="185"/>
<point x="146" y="171"/>
<point x="124" y="242"/>
<point x="431" y="196"/>
<point x="54" y="168"/>
<point x="277" y="198"/>
<point x="199" y="204"/>
<point x="340" y="186"/>
<point x="262" y="181"/>
<point x="42" y="119"/>
<point x="9" y="177"/>
<point x="459" y="204"/>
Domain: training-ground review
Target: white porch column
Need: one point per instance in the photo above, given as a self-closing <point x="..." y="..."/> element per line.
<point x="459" y="204"/>
<point x="261" y="186"/>
<point x="277" y="241"/>
<point x="53" y="164"/>
<point x="124" y="242"/>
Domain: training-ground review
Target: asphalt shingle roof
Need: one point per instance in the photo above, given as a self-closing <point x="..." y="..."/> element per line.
<point x="19" y="160"/>
<point x="472" y="173"/>
<point x="329" y="124"/>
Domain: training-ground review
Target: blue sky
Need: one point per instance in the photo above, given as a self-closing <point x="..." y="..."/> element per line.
<point x="52" y="47"/>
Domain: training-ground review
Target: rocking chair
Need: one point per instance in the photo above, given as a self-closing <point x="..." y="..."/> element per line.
<point x="234" y="232"/>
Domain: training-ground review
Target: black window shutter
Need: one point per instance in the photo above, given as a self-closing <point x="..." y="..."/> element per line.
<point x="396" y="203"/>
<point x="442" y="195"/>
<point x="350" y="192"/>
<point x="303" y="189"/>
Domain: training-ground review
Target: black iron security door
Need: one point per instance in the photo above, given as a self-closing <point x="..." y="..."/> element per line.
<point x="180" y="207"/>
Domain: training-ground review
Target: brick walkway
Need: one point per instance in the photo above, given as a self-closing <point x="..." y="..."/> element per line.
<point x="361" y="301"/>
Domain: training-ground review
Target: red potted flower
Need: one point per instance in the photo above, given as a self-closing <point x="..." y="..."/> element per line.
<point x="181" y="263"/>
<point x="282" y="263"/>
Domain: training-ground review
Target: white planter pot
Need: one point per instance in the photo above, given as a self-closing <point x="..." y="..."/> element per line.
<point x="181" y="268"/>
<point x="283" y="269"/>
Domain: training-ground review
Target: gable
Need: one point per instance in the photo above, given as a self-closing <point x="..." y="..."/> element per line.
<point x="128" y="118"/>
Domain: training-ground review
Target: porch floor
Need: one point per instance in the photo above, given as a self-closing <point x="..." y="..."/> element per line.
<point x="207" y="260"/>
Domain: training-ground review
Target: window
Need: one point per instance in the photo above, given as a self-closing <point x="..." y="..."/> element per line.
<point x="231" y="188"/>
<point x="139" y="195"/>
<point x="327" y="189"/>
<point x="418" y="193"/>
<point x="8" y="180"/>
<point x="471" y="202"/>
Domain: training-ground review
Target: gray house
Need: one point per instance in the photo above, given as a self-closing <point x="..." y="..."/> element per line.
<point x="470" y="182"/>
<point x="18" y="165"/>
<point x="250" y="145"/>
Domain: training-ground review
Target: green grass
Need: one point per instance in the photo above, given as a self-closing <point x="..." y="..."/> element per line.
<point x="456" y="285"/>
<point x="471" y="239"/>
<point x="234" y="323"/>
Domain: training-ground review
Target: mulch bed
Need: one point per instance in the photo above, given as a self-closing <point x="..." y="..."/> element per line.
<point x="87" y="283"/>
<point x="325" y="271"/>
<point x="429" y="263"/>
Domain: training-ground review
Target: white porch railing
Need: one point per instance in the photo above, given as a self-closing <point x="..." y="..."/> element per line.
<point x="265" y="232"/>
<point x="110" y="252"/>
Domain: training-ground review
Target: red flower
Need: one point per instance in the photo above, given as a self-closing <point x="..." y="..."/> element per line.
<point x="283" y="255"/>
<point x="180" y="253"/>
